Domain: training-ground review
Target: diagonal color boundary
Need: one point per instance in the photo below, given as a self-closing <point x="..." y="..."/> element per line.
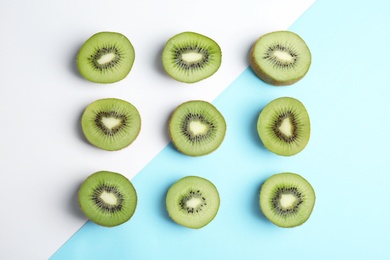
<point x="343" y="91"/>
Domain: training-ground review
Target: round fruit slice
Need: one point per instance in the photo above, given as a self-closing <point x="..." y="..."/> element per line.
<point x="284" y="126"/>
<point x="280" y="58"/>
<point x="190" y="57"/>
<point x="107" y="198"/>
<point x="197" y="128"/>
<point x="192" y="202"/>
<point x="287" y="199"/>
<point x="111" y="124"/>
<point x="106" y="57"/>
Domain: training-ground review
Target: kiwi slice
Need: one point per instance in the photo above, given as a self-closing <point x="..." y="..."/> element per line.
<point x="284" y="126"/>
<point x="107" y="198"/>
<point x="192" y="202"/>
<point x="190" y="57"/>
<point x="106" y="57"/>
<point x="197" y="128"/>
<point x="287" y="199"/>
<point x="280" y="58"/>
<point x="111" y="124"/>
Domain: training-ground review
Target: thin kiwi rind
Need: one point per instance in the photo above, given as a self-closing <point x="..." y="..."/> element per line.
<point x="284" y="126"/>
<point x="197" y="128"/>
<point x="106" y="57"/>
<point x="192" y="202"/>
<point x="287" y="199"/>
<point x="107" y="198"/>
<point x="280" y="58"/>
<point x="191" y="57"/>
<point x="111" y="124"/>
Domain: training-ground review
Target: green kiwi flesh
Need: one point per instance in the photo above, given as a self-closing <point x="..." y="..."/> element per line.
<point x="287" y="199"/>
<point x="197" y="128"/>
<point x="111" y="124"/>
<point x="280" y="58"/>
<point x="284" y="126"/>
<point x="190" y="57"/>
<point x="107" y="198"/>
<point x="106" y="57"/>
<point x="192" y="202"/>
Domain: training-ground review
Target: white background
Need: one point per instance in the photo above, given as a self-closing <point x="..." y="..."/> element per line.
<point x="43" y="155"/>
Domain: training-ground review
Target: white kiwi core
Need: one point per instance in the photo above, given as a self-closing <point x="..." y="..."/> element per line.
<point x="110" y="122"/>
<point x="193" y="202"/>
<point x="109" y="198"/>
<point x="284" y="56"/>
<point x="197" y="127"/>
<point x="192" y="57"/>
<point x="287" y="201"/>
<point x="286" y="127"/>
<point x="106" y="58"/>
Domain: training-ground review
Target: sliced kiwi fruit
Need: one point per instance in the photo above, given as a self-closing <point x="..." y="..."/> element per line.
<point x="280" y="58"/>
<point x="107" y="198"/>
<point x="106" y="57"/>
<point x="284" y="126"/>
<point x="111" y="124"/>
<point x="287" y="199"/>
<point x="191" y="57"/>
<point x="197" y="128"/>
<point x="192" y="202"/>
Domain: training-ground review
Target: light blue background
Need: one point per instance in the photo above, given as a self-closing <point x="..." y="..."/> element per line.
<point x="346" y="93"/>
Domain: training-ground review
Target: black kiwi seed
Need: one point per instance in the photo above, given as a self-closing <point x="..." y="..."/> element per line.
<point x="100" y="53"/>
<point x="96" y="196"/>
<point x="110" y="114"/>
<point x="192" y="194"/>
<point x="278" y="63"/>
<point x="189" y="134"/>
<point x="278" y="123"/>
<point x="283" y="191"/>
<point x="180" y="62"/>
